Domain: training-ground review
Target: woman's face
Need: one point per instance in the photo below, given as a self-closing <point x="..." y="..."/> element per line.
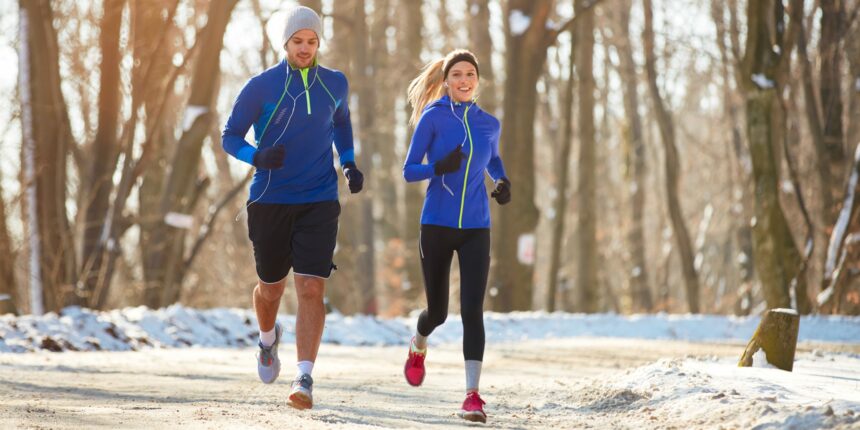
<point x="462" y="81"/>
<point x="302" y="48"/>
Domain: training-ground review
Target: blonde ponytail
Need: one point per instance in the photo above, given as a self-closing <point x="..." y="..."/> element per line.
<point x="426" y="87"/>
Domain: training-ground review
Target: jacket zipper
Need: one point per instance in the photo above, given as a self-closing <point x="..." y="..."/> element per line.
<point x="468" y="163"/>
<point x="304" y="73"/>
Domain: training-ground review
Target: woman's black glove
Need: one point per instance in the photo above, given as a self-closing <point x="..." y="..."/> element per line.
<point x="502" y="193"/>
<point x="270" y="157"/>
<point x="451" y="162"/>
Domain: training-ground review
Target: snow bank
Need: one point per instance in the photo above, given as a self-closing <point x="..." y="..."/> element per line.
<point x="79" y="329"/>
<point x="821" y="392"/>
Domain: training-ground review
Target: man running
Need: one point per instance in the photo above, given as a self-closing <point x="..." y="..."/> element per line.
<point x="297" y="109"/>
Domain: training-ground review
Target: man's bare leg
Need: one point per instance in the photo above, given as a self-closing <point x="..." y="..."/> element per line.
<point x="310" y="316"/>
<point x="267" y="299"/>
<point x="310" y="320"/>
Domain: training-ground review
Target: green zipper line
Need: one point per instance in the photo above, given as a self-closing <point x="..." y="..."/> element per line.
<point x="468" y="163"/>
<point x="289" y="78"/>
<point x="304" y="73"/>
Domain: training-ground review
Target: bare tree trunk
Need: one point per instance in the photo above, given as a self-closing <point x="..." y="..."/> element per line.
<point x="353" y="290"/>
<point x="316" y="5"/>
<point x="446" y="34"/>
<point x="512" y="279"/>
<point x="635" y="160"/>
<point x="52" y="139"/>
<point x="743" y="235"/>
<point x="526" y="53"/>
<point x="741" y="197"/>
<point x="776" y="255"/>
<point x="8" y="286"/>
<point x="562" y="175"/>
<point x="840" y="249"/>
<point x="28" y="156"/>
<point x="411" y="24"/>
<point x="341" y="291"/>
<point x="852" y="54"/>
<point x="182" y="187"/>
<point x="362" y="81"/>
<point x="667" y="135"/>
<point x="482" y="43"/>
<point x="149" y="89"/>
<point x="386" y="177"/>
<point x="830" y="75"/>
<point x="105" y="150"/>
<point x="813" y="117"/>
<point x="787" y="39"/>
<point x="586" y="268"/>
<point x="842" y="252"/>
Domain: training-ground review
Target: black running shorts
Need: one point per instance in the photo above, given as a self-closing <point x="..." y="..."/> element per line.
<point x="298" y="236"/>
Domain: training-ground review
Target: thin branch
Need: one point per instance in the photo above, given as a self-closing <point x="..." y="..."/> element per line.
<point x="209" y="226"/>
<point x="146" y="154"/>
<point x="266" y="47"/>
<point x="568" y="25"/>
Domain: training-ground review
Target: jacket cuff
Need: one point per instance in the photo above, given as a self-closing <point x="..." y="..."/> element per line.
<point x="246" y="154"/>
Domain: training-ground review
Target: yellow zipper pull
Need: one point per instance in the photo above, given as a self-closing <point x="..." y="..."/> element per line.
<point x="304" y="73"/>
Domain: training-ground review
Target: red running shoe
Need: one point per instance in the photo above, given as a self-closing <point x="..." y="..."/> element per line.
<point x="414" y="368"/>
<point x="473" y="408"/>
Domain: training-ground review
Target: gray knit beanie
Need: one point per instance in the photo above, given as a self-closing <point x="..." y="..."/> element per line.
<point x="300" y="18"/>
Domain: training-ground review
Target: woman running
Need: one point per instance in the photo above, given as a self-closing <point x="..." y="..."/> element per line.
<point x="460" y="141"/>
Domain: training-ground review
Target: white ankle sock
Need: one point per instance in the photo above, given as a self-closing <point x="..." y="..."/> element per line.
<point x="267" y="338"/>
<point x="304" y="367"/>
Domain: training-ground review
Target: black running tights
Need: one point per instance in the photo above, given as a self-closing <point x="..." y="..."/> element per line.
<point x="436" y="246"/>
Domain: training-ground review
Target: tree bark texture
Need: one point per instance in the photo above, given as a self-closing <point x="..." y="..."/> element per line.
<point x="672" y="168"/>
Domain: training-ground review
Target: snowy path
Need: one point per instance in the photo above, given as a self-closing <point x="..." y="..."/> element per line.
<point x="541" y="384"/>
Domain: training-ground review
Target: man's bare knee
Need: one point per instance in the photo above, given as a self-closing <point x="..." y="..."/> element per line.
<point x="271" y="292"/>
<point x="309" y="288"/>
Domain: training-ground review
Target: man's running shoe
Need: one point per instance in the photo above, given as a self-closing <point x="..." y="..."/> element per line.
<point x="301" y="396"/>
<point x="268" y="363"/>
<point x="473" y="408"/>
<point x="414" y="368"/>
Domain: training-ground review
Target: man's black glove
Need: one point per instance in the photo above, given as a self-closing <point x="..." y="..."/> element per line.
<point x="354" y="178"/>
<point x="270" y="157"/>
<point x="502" y="193"/>
<point x="451" y="162"/>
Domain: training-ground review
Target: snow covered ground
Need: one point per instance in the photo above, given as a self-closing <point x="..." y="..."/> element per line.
<point x="599" y="371"/>
<point x="79" y="329"/>
<point x="823" y="391"/>
<point x="610" y="383"/>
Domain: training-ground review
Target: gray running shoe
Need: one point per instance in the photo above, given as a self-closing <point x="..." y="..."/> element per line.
<point x="268" y="363"/>
<point x="300" y="394"/>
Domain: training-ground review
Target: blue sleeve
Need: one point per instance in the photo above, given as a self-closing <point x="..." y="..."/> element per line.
<point x="413" y="169"/>
<point x="246" y="110"/>
<point x="495" y="167"/>
<point x="343" y="128"/>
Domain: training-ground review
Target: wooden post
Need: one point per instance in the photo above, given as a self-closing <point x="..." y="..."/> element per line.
<point x="777" y="336"/>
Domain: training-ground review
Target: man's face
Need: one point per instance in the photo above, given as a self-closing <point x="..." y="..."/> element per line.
<point x="302" y="48"/>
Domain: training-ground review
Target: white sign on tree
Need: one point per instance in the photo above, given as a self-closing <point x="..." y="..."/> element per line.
<point x="526" y="249"/>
